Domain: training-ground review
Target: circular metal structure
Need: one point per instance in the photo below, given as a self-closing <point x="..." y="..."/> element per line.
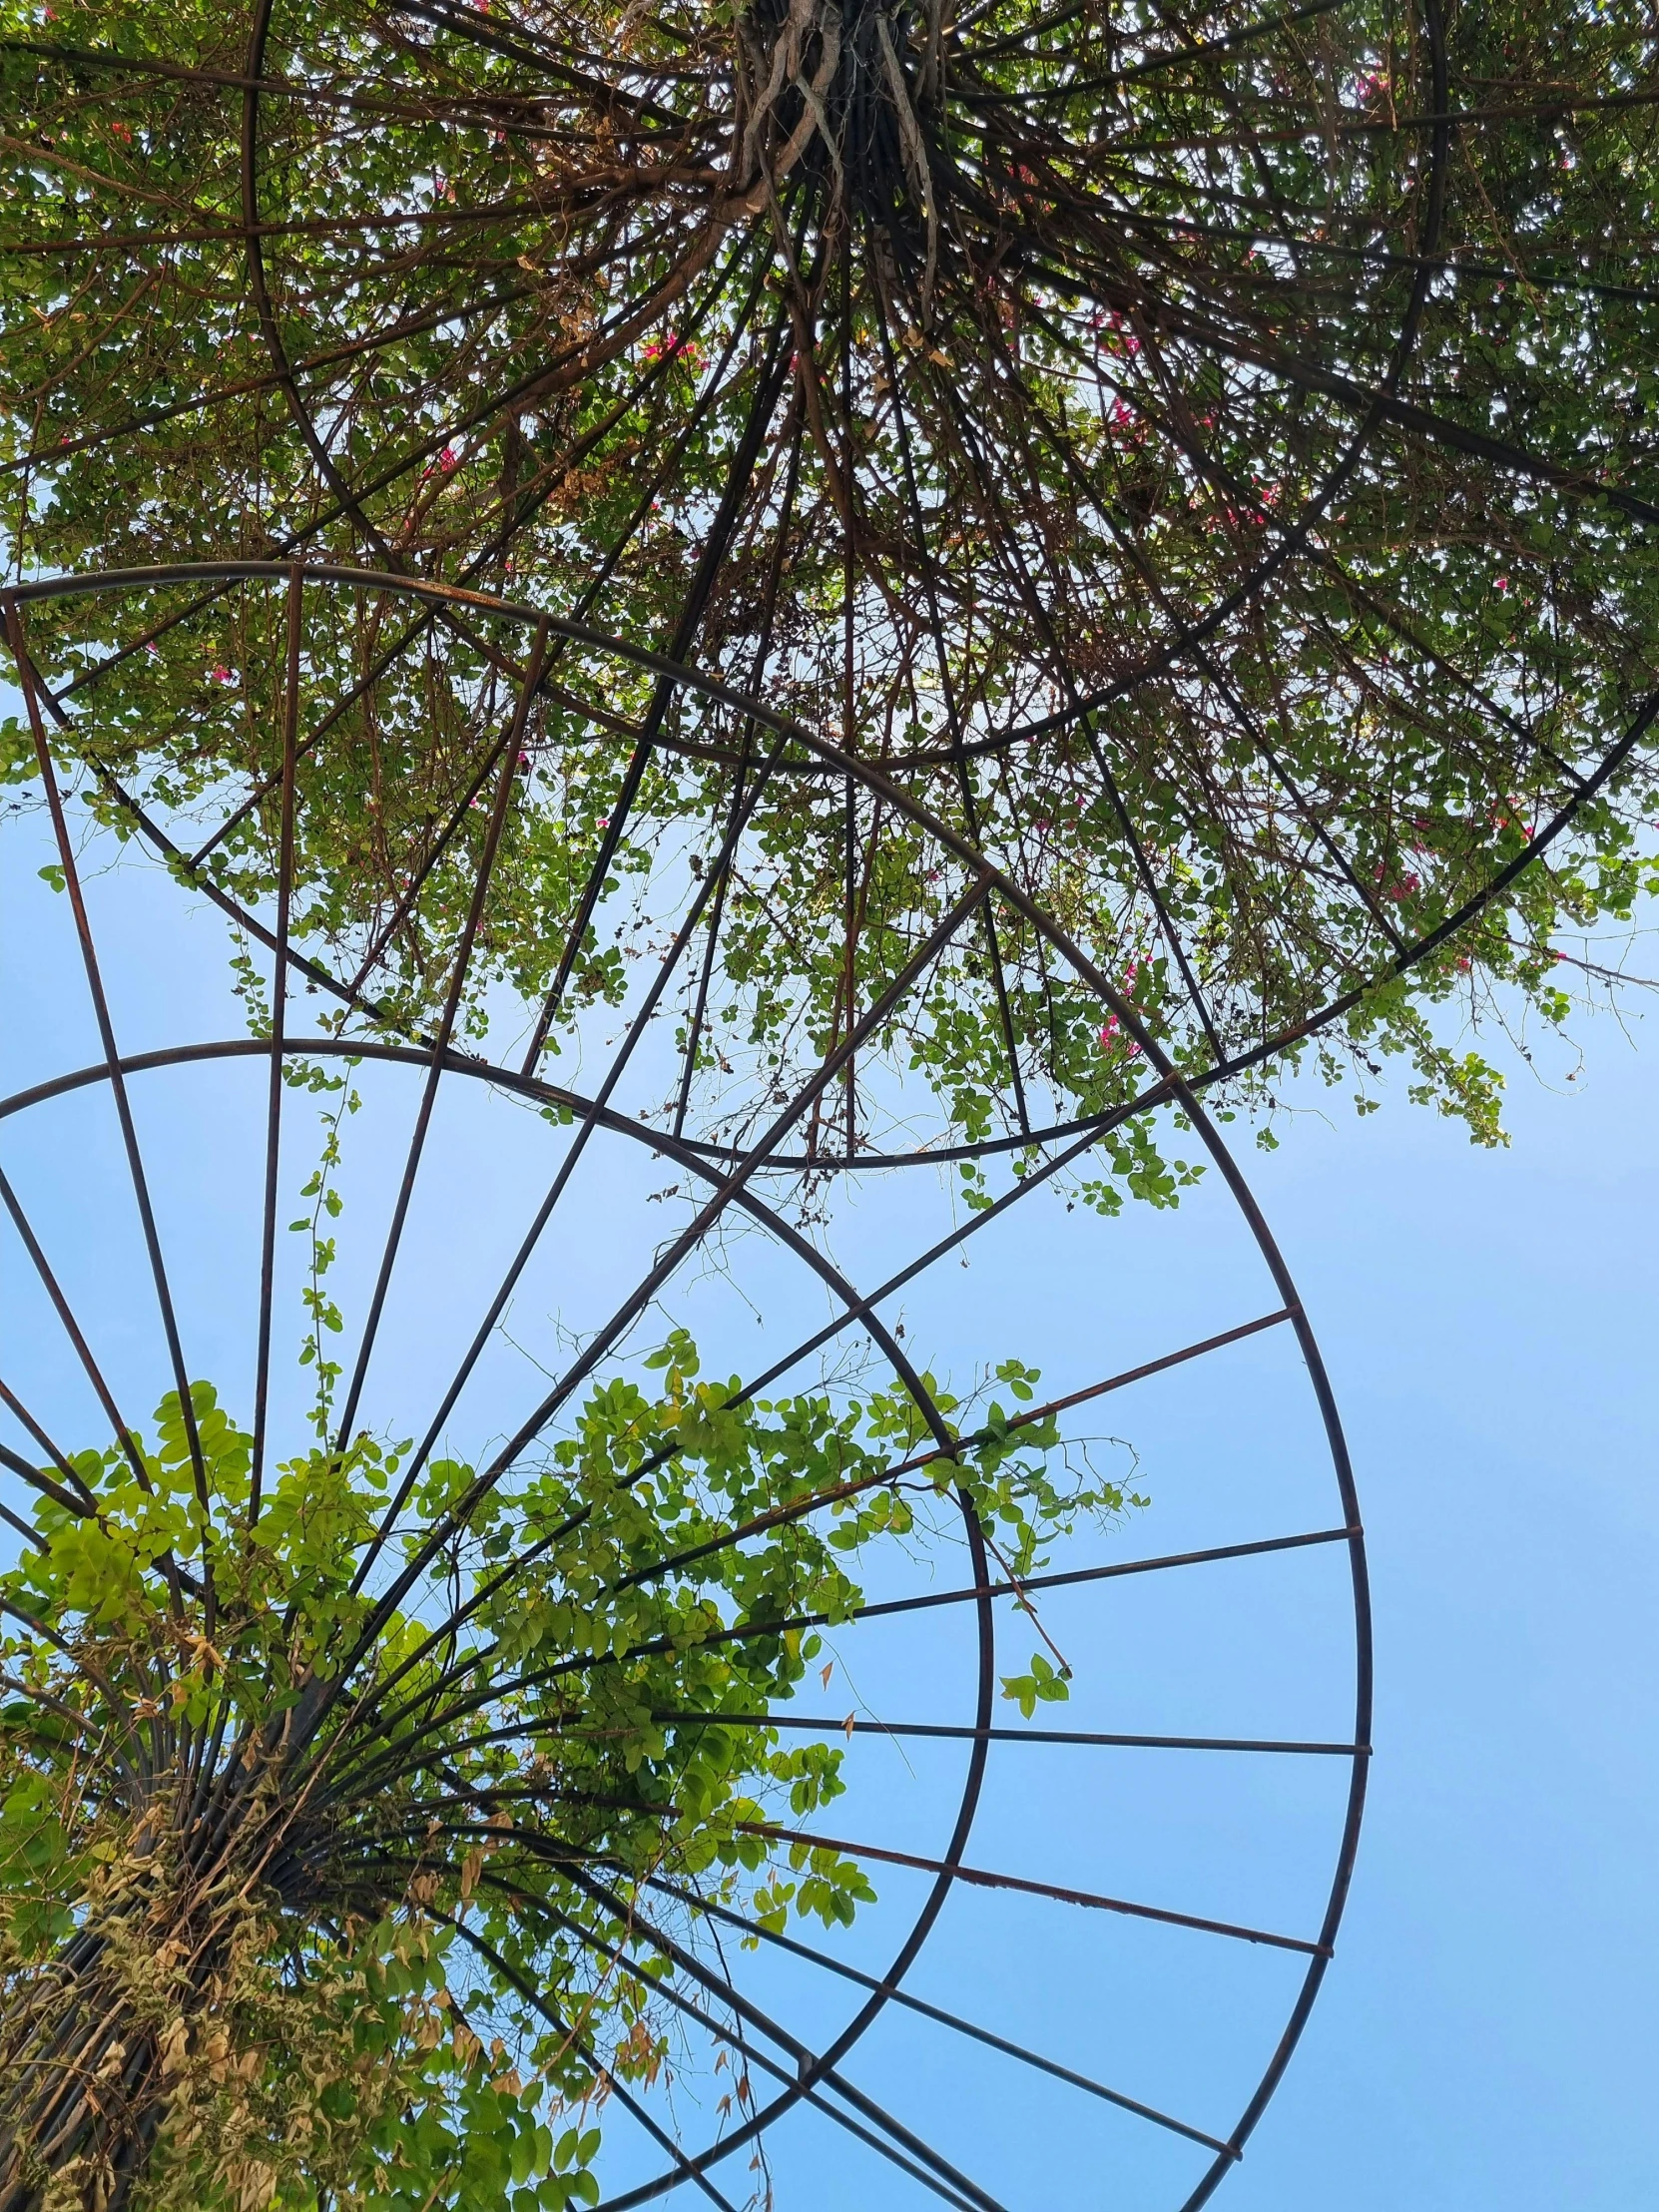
<point x="488" y="1190"/>
<point x="1155" y="440"/>
<point x="804" y="873"/>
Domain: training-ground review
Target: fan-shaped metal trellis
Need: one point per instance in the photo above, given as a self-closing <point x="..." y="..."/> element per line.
<point x="185" y="1143"/>
<point x="1156" y="439"/>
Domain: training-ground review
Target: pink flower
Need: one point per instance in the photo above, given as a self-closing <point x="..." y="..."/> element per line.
<point x="221" y="676"/>
<point x="446" y="460"/>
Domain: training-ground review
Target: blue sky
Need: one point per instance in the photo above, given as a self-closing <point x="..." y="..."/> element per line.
<point x="1489" y="2036"/>
<point x="1486" y="2035"/>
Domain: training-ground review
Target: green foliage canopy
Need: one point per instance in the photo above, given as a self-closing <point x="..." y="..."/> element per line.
<point x="1206" y="460"/>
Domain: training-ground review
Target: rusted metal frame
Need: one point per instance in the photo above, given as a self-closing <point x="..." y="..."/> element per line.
<point x="452" y="1005"/>
<point x="1227" y="42"/>
<point x="685" y="1155"/>
<point x="591" y="1118"/>
<point x="415" y="326"/>
<point x="86" y="1502"/>
<point x="779" y="1516"/>
<point x="724" y="874"/>
<point x="769" y="382"/>
<point x="935" y="2013"/>
<point x="43" y="1487"/>
<point x="1238" y="1063"/>
<point x="982" y="1877"/>
<point x="311" y="95"/>
<point x="1083" y="1739"/>
<point x="680" y="674"/>
<point x="124" y="1436"/>
<point x="981" y="1592"/>
<point x="810" y="2067"/>
<point x="617" y="1956"/>
<point x="1393" y="621"/>
<point x="1235" y="1064"/>
<point x="1206" y="662"/>
<point x="726" y="1191"/>
<point x="579" y="2043"/>
<point x="254" y="257"/>
<point x="953" y="720"/>
<point x="1061" y="667"/>
<point x="118" y="1087"/>
<point x="278" y="1025"/>
<point x="480" y="561"/>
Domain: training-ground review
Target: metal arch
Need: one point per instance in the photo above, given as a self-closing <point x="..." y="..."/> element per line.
<point x="1371" y="404"/>
<point x="787" y="1235"/>
<point x="952" y="1867"/>
<point x="828" y="759"/>
<point x="256" y="85"/>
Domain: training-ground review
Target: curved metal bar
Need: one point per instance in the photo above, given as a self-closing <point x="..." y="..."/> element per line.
<point x="878" y="780"/>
